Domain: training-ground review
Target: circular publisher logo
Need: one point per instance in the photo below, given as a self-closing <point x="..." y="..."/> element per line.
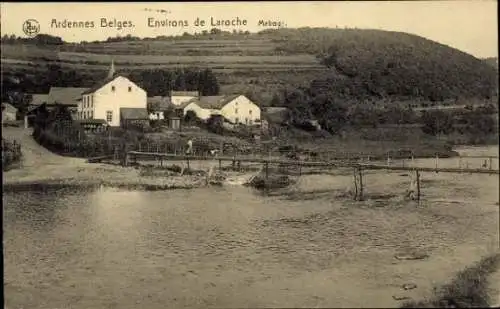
<point x="31" y="27"/>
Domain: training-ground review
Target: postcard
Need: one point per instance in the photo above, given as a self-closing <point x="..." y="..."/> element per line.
<point x="250" y="154"/>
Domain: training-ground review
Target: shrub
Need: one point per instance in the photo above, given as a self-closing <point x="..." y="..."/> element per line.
<point x="11" y="154"/>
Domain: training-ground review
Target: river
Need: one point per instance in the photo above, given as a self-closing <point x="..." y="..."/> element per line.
<point x="234" y="247"/>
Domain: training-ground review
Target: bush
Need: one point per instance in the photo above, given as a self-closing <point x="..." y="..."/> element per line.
<point x="11" y="154"/>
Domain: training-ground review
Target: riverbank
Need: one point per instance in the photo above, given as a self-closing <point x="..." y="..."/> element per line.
<point x="39" y="167"/>
<point x="472" y="287"/>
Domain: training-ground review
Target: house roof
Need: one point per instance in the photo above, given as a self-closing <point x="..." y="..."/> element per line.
<point x="65" y="95"/>
<point x="184" y="104"/>
<point x="91" y="121"/>
<point x="276" y="114"/>
<point x="159" y="103"/>
<point x="39" y="98"/>
<point x="275" y="109"/>
<point x="133" y="113"/>
<point x="9" y="107"/>
<point x="215" y="102"/>
<point x="185" y="93"/>
<point x="102" y="83"/>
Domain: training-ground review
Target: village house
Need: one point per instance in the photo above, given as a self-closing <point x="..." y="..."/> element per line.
<point x="278" y="116"/>
<point x="134" y="118"/>
<point x="38" y="100"/>
<point x="157" y="106"/>
<point x="65" y="96"/>
<point x="179" y="97"/>
<point x="106" y="99"/>
<point x="237" y="108"/>
<point x="9" y="112"/>
<point x="69" y="97"/>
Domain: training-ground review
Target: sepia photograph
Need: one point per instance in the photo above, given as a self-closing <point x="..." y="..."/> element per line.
<point x="309" y="154"/>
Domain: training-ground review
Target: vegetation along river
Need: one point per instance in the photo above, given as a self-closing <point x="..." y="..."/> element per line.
<point x="230" y="246"/>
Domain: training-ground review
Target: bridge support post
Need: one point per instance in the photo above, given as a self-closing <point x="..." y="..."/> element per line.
<point x="414" y="191"/>
<point x="491" y="162"/>
<point x="358" y="184"/>
<point x="126" y="159"/>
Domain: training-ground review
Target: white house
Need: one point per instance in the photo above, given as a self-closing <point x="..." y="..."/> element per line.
<point x="179" y="97"/>
<point x="235" y="108"/>
<point x="105" y="100"/>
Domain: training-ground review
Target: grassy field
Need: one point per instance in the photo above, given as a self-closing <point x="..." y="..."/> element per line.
<point x="243" y="65"/>
<point x="266" y="63"/>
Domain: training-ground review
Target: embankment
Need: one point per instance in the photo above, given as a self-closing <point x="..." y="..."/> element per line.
<point x="42" y="167"/>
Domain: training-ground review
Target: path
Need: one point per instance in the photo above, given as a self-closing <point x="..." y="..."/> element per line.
<point x="39" y="163"/>
<point x="35" y="155"/>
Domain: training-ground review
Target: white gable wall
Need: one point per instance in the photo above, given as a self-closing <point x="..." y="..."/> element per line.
<point x="241" y="110"/>
<point x="200" y="112"/>
<point x="105" y="99"/>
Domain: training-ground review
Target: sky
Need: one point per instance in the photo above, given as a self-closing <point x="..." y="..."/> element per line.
<point x="470" y="26"/>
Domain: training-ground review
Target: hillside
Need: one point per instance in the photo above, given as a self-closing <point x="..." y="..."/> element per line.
<point x="493" y="61"/>
<point x="348" y="63"/>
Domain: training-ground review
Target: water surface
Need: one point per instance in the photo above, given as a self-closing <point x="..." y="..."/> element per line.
<point x="234" y="247"/>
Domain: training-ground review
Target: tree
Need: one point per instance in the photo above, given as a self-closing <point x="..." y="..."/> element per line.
<point x="207" y="83"/>
<point x="436" y="122"/>
<point x="276" y="100"/>
<point x="190" y="116"/>
<point x="215" y="123"/>
<point x="215" y="31"/>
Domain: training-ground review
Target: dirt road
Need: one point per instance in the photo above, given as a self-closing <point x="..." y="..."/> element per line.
<point x="39" y="165"/>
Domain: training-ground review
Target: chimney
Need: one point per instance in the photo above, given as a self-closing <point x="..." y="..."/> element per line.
<point x="111" y="72"/>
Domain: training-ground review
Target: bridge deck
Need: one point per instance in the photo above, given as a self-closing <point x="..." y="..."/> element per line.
<point x="365" y="166"/>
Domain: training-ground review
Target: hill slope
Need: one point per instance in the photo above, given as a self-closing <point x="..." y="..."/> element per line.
<point x="348" y="63"/>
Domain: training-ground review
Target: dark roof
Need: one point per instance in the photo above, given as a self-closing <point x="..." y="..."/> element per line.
<point x="275" y="109"/>
<point x="133" y="113"/>
<point x="184" y="104"/>
<point x="276" y="114"/>
<point x="91" y="121"/>
<point x="9" y="107"/>
<point x="159" y="103"/>
<point x="215" y="102"/>
<point x="103" y="83"/>
<point x="39" y="99"/>
<point x="65" y="95"/>
<point x="185" y="93"/>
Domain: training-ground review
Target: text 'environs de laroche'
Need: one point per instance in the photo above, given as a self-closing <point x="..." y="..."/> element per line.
<point x="159" y="23"/>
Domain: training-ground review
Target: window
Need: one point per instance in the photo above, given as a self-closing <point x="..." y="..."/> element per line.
<point x="91" y="114"/>
<point x="109" y="116"/>
<point x="250" y="112"/>
<point x="129" y="89"/>
<point x="235" y="110"/>
<point x="237" y="120"/>
<point x="113" y="88"/>
<point x="91" y="103"/>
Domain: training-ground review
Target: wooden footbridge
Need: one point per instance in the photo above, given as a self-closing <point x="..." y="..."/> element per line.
<point x="358" y="167"/>
<point x="134" y="155"/>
